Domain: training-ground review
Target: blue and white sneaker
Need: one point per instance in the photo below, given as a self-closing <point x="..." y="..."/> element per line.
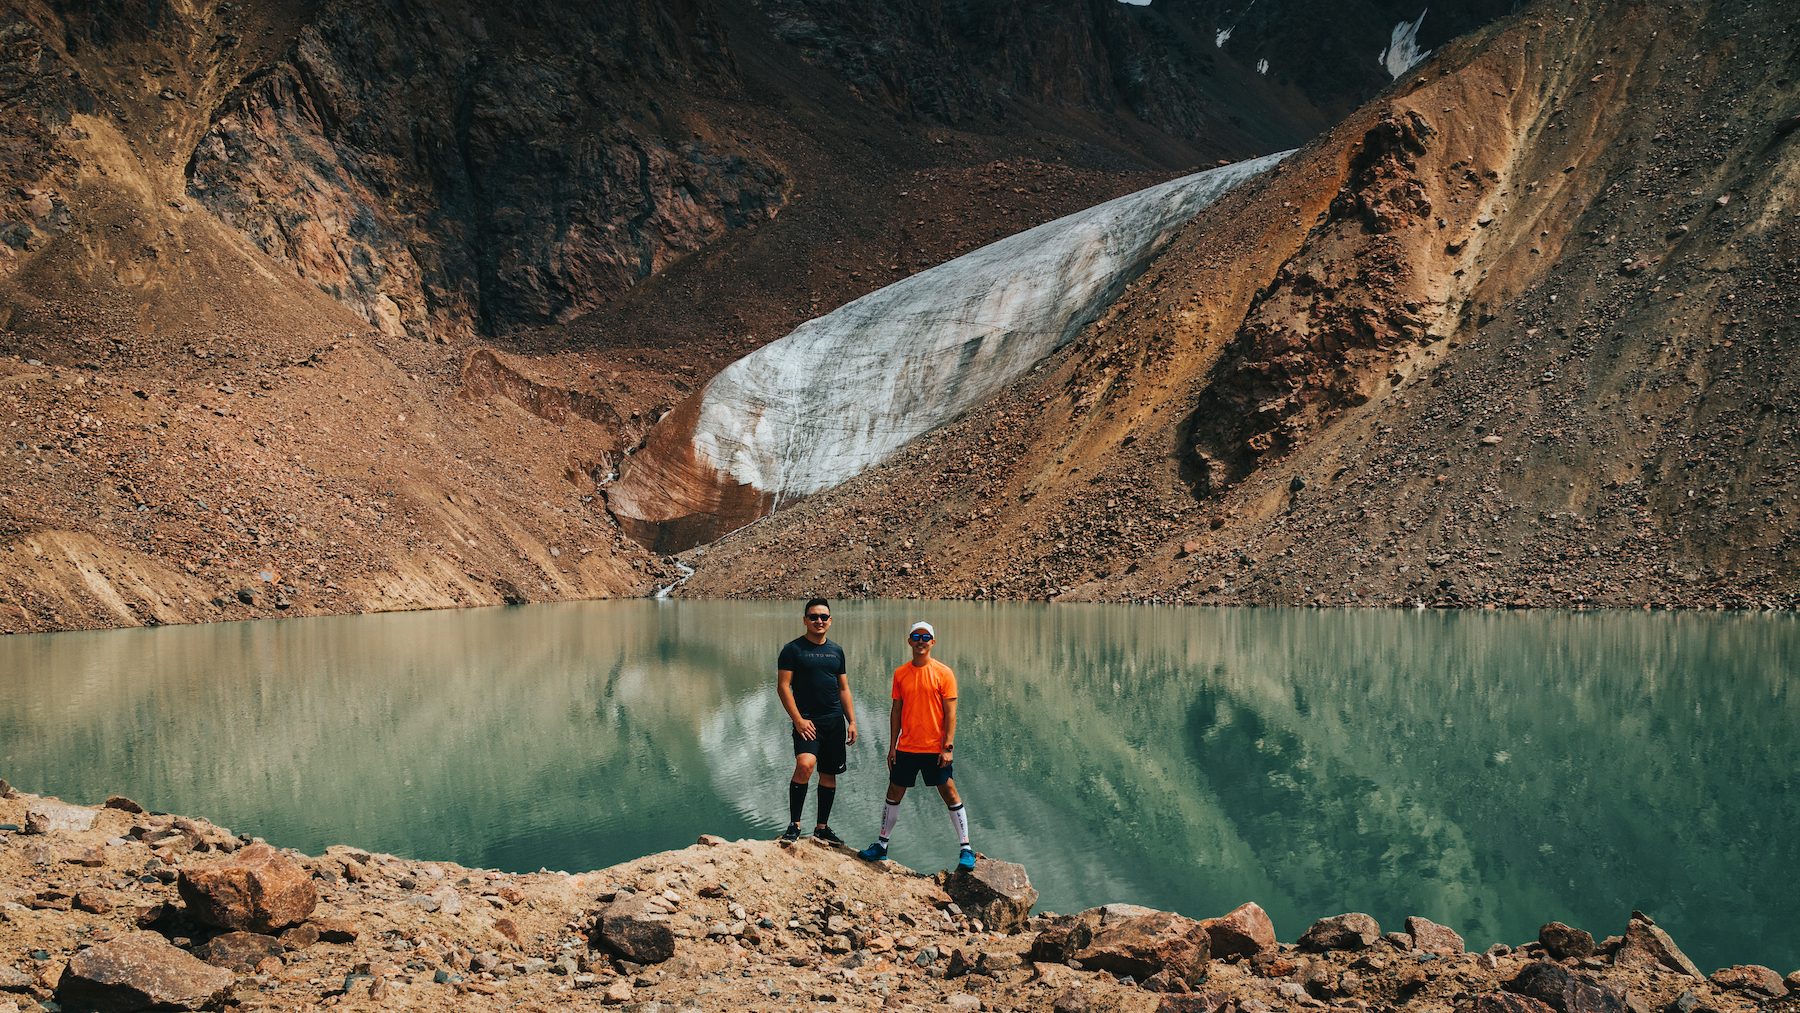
<point x="966" y="861"/>
<point x="873" y="853"/>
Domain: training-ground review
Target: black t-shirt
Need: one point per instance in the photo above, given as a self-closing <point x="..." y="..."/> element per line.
<point x="816" y="668"/>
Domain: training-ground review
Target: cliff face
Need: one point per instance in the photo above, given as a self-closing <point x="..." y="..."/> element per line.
<point x="1516" y="333"/>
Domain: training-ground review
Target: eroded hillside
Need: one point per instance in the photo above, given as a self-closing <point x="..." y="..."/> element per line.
<point x="1519" y="332"/>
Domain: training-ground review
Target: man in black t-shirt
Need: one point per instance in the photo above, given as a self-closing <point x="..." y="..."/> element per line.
<point x="814" y="687"/>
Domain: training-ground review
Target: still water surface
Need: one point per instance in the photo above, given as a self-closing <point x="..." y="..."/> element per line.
<point x="1489" y="771"/>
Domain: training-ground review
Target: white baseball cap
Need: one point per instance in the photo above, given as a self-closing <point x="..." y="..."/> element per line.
<point x="922" y="625"/>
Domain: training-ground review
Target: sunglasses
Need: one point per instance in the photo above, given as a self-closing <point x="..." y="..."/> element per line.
<point x="920" y="638"/>
<point x="816" y="618"/>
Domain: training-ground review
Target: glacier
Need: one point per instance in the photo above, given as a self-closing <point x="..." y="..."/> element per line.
<point x="843" y="392"/>
<point x="1403" y="52"/>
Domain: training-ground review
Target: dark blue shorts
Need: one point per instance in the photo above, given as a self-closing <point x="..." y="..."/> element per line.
<point x="909" y="767"/>
<point x="829" y="746"/>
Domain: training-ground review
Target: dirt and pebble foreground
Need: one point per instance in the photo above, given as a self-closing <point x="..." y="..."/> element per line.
<point x="112" y="908"/>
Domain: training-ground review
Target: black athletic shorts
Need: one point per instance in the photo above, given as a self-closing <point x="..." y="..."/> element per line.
<point x="908" y="767"/>
<point x="829" y="746"/>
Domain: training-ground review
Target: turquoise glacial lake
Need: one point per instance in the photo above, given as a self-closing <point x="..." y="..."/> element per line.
<point x="1490" y="771"/>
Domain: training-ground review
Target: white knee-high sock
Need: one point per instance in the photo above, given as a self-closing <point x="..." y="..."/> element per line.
<point x="890" y="815"/>
<point x="959" y="821"/>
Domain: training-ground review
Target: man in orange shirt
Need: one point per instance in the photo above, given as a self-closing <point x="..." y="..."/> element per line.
<point x="921" y="740"/>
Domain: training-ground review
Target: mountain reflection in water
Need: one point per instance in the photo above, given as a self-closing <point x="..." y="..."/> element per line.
<point x="1488" y="771"/>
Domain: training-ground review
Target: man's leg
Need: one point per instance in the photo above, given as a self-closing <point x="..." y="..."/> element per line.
<point x="827" y="795"/>
<point x="804" y="764"/>
<point x="890" y="815"/>
<point x="959" y="822"/>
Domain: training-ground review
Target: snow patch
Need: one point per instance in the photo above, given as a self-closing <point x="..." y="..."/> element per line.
<point x="1223" y="36"/>
<point x="1262" y="66"/>
<point x="1403" y="53"/>
<point x="843" y="392"/>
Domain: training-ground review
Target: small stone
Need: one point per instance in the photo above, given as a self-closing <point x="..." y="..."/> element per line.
<point x="628" y="928"/>
<point x="619" y="991"/>
<point x="1503" y="1002"/>
<point x="1059" y="943"/>
<point x="47" y="815"/>
<point x="93" y="902"/>
<point x="122" y="803"/>
<point x="1491" y="440"/>
<point x="239" y="951"/>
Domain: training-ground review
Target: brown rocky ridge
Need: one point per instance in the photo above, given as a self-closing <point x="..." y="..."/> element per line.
<point x="97" y="912"/>
<point x="1519" y="332"/>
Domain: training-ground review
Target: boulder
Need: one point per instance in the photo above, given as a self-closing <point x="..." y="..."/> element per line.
<point x="1353" y="931"/>
<point x="1565" y="991"/>
<point x="998" y="893"/>
<point x="137" y="971"/>
<point x="47" y="815"/>
<point x="1564" y="942"/>
<point x="1503" y="1002"/>
<point x="1753" y="978"/>
<point x="628" y="928"/>
<point x="1646" y="945"/>
<point x="1431" y="937"/>
<point x="1142" y="945"/>
<point x="258" y="890"/>
<point x="1059" y="943"/>
<point x="1244" y="932"/>
<point x="239" y="951"/>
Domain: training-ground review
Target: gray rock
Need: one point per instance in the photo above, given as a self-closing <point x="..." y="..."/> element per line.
<point x="1752" y="978"/>
<point x="137" y="971"/>
<point x="628" y="929"/>
<point x="47" y="815"/>
<point x="998" y="893"/>
<point x="1352" y="931"/>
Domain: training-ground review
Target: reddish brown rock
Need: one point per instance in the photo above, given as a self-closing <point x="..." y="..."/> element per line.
<point x="1352" y="931"/>
<point x="1245" y="931"/>
<point x="1431" y="937"/>
<point x="300" y="936"/>
<point x="998" y="893"/>
<point x="260" y="890"/>
<point x="122" y="804"/>
<point x="1752" y="978"/>
<point x="1143" y="945"/>
<point x="1647" y="945"/>
<point x="336" y="930"/>
<point x="93" y="902"/>
<point x="239" y="951"/>
<point x="1059" y="943"/>
<point x="140" y="970"/>
<point x="1563" y="941"/>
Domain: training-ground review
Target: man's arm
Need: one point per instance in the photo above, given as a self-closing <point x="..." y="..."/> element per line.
<point x="849" y="708"/>
<point x="893" y="733"/>
<point x="784" y="688"/>
<point x="944" y="756"/>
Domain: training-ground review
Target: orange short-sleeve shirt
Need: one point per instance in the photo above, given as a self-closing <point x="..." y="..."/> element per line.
<point x="922" y="692"/>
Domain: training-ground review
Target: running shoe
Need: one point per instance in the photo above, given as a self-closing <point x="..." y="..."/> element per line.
<point x="825" y="834"/>
<point x="873" y="853"/>
<point x="791" y="834"/>
<point x="966" y="860"/>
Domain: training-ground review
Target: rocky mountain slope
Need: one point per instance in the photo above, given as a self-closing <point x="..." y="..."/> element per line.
<point x="115" y="908"/>
<point x="1519" y="332"/>
<point x="279" y="283"/>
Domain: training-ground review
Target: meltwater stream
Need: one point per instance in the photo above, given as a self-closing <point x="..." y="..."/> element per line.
<point x="1488" y="771"/>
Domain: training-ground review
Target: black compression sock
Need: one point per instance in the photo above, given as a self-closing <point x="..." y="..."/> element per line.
<point x="796" y="800"/>
<point x="826" y="797"/>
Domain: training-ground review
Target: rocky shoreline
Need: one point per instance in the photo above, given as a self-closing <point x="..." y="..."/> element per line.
<point x="114" y="908"/>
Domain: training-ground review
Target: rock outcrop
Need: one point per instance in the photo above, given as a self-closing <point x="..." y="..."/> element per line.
<point x="258" y="890"/>
<point x="140" y="971"/>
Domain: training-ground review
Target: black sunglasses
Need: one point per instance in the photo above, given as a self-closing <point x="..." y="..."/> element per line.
<point x="814" y="617"/>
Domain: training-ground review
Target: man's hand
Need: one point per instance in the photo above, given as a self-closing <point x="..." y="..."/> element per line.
<point x="851" y="740"/>
<point x="806" y="729"/>
<point x="944" y="758"/>
<point x="893" y="754"/>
